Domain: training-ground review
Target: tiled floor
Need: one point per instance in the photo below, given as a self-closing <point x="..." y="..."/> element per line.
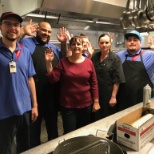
<point x="44" y="134"/>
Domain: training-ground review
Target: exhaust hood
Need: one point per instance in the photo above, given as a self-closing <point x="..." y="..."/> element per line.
<point x="98" y="15"/>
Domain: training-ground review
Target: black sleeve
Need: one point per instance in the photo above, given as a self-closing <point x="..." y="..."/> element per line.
<point x="117" y="71"/>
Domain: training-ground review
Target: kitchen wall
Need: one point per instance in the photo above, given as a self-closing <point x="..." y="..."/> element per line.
<point x="118" y="40"/>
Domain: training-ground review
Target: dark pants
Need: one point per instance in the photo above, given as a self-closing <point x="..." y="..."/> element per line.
<point x="75" y="118"/>
<point x="15" y="127"/>
<point x="50" y="117"/>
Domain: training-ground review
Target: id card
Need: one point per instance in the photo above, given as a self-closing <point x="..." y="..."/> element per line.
<point x="12" y="66"/>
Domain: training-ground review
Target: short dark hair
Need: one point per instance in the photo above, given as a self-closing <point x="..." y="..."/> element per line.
<point x="76" y="39"/>
<point x="104" y="34"/>
<point x="84" y="36"/>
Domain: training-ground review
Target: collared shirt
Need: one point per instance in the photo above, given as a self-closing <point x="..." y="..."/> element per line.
<point x="86" y="54"/>
<point x="148" y="60"/>
<point x="31" y="43"/>
<point x="14" y="88"/>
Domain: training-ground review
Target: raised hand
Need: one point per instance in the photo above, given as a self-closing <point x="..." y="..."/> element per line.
<point x="62" y="37"/>
<point x="90" y="49"/>
<point x="49" y="55"/>
<point x="30" y="28"/>
<point x="151" y="43"/>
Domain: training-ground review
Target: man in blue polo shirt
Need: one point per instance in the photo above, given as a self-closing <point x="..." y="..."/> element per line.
<point x="138" y="67"/>
<point x="17" y="87"/>
<point x="47" y="94"/>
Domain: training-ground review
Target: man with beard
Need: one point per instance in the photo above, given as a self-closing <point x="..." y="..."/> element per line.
<point x="138" y="67"/>
<point x="17" y="87"/>
<point x="47" y="94"/>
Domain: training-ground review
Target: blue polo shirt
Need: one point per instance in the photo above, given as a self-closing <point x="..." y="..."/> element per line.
<point x="31" y="43"/>
<point x="14" y="88"/>
<point x="148" y="60"/>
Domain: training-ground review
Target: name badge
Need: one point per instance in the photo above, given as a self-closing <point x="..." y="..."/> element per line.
<point x="12" y="66"/>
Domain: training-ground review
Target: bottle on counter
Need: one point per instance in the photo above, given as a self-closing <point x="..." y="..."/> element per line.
<point x="146" y="100"/>
<point x="146" y="96"/>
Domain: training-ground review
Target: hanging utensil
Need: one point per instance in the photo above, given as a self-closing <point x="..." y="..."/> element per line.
<point x="142" y="17"/>
<point x="146" y="20"/>
<point x="133" y="12"/>
<point x="136" y="14"/>
<point x="150" y="11"/>
<point x="126" y="18"/>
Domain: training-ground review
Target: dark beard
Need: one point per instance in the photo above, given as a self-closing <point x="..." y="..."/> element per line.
<point x="132" y="51"/>
<point x="11" y="39"/>
<point x="38" y="38"/>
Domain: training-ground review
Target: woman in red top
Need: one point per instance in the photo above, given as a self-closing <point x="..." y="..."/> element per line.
<point x="79" y="89"/>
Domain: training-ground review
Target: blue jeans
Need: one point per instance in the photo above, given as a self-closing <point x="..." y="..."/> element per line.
<point x="74" y="118"/>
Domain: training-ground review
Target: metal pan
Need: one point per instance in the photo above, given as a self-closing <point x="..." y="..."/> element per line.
<point x="126" y="18"/>
<point x="150" y="11"/>
<point x="133" y="12"/>
<point x="77" y="144"/>
<point x="143" y="21"/>
<point x="137" y="15"/>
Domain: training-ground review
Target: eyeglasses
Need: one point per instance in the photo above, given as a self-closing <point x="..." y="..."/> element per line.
<point x="10" y="24"/>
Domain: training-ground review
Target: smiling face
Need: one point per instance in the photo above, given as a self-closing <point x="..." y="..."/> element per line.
<point x="10" y="28"/>
<point x="85" y="43"/>
<point x="104" y="43"/>
<point x="76" y="45"/>
<point x="44" y="33"/>
<point x="133" y="44"/>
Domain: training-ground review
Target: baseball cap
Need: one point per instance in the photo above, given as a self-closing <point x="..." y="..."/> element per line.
<point x="133" y="33"/>
<point x="10" y="14"/>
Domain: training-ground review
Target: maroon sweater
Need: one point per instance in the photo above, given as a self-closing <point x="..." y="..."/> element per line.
<point x="78" y="83"/>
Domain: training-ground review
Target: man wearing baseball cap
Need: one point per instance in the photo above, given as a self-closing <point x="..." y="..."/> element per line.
<point x="138" y="66"/>
<point x="10" y="14"/>
<point x="18" y="104"/>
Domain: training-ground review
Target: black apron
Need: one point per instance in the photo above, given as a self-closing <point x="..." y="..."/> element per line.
<point x="105" y="85"/>
<point x="46" y="92"/>
<point x="131" y="92"/>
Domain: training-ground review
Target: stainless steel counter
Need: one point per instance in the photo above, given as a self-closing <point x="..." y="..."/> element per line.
<point x="103" y="124"/>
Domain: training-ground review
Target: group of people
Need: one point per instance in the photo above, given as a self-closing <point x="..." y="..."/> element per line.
<point x="38" y="80"/>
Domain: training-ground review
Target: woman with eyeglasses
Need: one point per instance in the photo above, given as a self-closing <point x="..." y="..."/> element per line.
<point x="78" y="83"/>
<point x="109" y="75"/>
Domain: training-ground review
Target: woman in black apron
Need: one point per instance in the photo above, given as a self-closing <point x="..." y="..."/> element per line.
<point x="109" y="75"/>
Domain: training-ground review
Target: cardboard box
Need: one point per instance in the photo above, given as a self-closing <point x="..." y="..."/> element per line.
<point x="134" y="138"/>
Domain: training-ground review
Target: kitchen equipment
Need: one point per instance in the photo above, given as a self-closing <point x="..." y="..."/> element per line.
<point x="135" y="15"/>
<point x="134" y="11"/>
<point x="126" y="18"/>
<point x="88" y="145"/>
<point x="139" y="16"/>
<point x="150" y="11"/>
<point x="143" y="19"/>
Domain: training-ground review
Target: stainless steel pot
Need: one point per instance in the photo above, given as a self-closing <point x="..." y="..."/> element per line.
<point x="150" y="11"/>
<point x="126" y="18"/>
<point x="143" y="21"/>
<point x="138" y="15"/>
<point x="88" y="145"/>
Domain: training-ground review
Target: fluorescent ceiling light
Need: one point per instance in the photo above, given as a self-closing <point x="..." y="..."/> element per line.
<point x="87" y="27"/>
<point x="106" y="23"/>
<point x="41" y="16"/>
